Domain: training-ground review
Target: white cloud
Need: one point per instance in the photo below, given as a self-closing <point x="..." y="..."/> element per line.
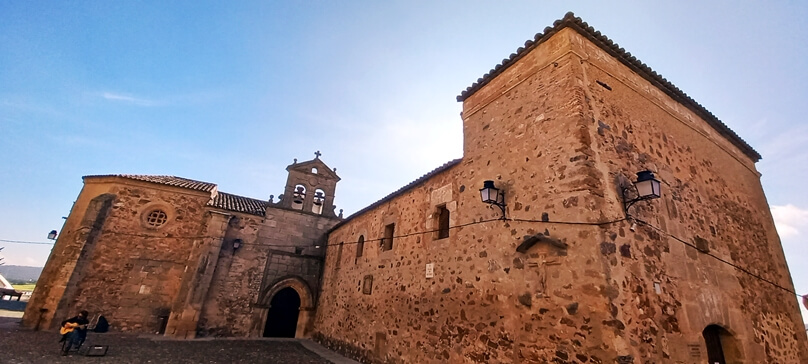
<point x="790" y="220"/>
<point x="128" y="99"/>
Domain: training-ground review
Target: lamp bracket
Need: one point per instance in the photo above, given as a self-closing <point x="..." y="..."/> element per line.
<point x="501" y="204"/>
<point x="627" y="203"/>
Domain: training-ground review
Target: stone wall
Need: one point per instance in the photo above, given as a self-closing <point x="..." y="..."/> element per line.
<point x="712" y="200"/>
<point x="487" y="302"/>
<point x="277" y="251"/>
<point x="186" y="274"/>
<point x="588" y="286"/>
<point x="114" y="264"/>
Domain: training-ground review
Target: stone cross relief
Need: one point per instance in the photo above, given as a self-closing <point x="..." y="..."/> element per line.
<point x="539" y="263"/>
<point x="542" y="245"/>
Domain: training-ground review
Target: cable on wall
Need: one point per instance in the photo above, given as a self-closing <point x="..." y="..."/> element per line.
<point x="597" y="223"/>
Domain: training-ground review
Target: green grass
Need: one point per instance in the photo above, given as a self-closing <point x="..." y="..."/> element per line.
<point x="24" y="287"/>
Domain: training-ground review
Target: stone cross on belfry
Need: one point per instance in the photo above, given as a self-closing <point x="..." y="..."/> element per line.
<point x="317" y="154"/>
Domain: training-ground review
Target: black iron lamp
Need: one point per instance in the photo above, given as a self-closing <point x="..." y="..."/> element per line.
<point x="493" y="196"/>
<point x="647" y="187"/>
<point x="52" y="235"/>
<point x="237" y="244"/>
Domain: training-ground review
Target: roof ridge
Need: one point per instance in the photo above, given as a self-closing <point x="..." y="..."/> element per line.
<point x="399" y="191"/>
<point x="240" y="196"/>
<point x="238" y="203"/>
<point x="596" y="37"/>
<point x="166" y="180"/>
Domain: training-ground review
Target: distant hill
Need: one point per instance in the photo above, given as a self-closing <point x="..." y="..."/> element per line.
<point x="20" y="272"/>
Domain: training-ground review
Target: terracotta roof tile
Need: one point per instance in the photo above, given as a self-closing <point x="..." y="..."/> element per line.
<point x="570" y="21"/>
<point x="400" y="191"/>
<point x="166" y="180"/>
<point x="237" y="203"/>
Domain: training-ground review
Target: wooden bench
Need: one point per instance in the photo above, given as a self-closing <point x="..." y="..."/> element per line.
<point x="10" y="292"/>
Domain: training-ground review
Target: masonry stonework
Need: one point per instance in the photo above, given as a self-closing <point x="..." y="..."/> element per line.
<point x="210" y="270"/>
<point x="566" y="275"/>
<point x="562" y="129"/>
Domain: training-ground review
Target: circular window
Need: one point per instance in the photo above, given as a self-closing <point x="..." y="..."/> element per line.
<point x="156" y="218"/>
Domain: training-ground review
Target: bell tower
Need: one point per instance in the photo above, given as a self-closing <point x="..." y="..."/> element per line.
<point x="310" y="187"/>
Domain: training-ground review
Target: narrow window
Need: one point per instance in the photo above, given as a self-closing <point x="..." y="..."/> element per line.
<point x="339" y="255"/>
<point x="387" y="242"/>
<point x="443" y="222"/>
<point x="314" y="170"/>
<point x="360" y="246"/>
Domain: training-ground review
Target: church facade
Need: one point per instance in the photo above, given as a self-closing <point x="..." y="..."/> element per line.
<point x="569" y="266"/>
<point x="169" y="255"/>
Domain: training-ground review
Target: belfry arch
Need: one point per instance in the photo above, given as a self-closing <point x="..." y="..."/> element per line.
<point x="279" y="294"/>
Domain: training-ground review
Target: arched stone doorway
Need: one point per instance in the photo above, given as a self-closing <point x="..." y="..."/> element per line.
<point x="722" y="347"/>
<point x="288" y="298"/>
<point x="282" y="316"/>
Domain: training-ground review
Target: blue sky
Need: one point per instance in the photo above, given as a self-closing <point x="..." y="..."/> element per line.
<point x="231" y="92"/>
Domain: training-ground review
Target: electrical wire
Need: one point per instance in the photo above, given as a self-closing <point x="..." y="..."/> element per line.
<point x="348" y="243"/>
<point x="742" y="269"/>
<point x="598" y="223"/>
<point x="24" y="242"/>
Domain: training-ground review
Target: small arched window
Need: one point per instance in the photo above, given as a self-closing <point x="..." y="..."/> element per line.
<point x="339" y="255"/>
<point x="298" y="196"/>
<point x="360" y="246"/>
<point x="443" y="222"/>
<point x="319" y="201"/>
<point x="314" y="170"/>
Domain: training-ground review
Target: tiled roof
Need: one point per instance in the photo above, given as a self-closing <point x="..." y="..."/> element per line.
<point x="237" y="203"/>
<point x="570" y="21"/>
<point x="225" y="201"/>
<point x="400" y="191"/>
<point x="166" y="180"/>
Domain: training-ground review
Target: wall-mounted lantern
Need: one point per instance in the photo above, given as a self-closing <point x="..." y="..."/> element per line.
<point x="646" y="188"/>
<point x="493" y="196"/>
<point x="52" y="235"/>
<point x="237" y="244"/>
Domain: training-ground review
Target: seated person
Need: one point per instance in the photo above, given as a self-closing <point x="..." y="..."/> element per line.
<point x="102" y="325"/>
<point x="74" y="331"/>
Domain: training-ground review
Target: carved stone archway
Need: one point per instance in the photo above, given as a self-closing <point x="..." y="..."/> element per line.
<point x="304" y="321"/>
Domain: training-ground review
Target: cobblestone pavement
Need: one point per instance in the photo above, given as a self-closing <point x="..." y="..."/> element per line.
<point x="25" y="346"/>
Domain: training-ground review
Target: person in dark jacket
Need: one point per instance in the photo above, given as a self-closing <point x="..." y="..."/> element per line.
<point x="74" y="331"/>
<point x="102" y="325"/>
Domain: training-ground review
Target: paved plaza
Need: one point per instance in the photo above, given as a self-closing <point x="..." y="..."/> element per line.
<point x="25" y="346"/>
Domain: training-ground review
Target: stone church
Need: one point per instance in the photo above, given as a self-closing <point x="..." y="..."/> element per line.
<point x="169" y="255"/>
<point x="538" y="245"/>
